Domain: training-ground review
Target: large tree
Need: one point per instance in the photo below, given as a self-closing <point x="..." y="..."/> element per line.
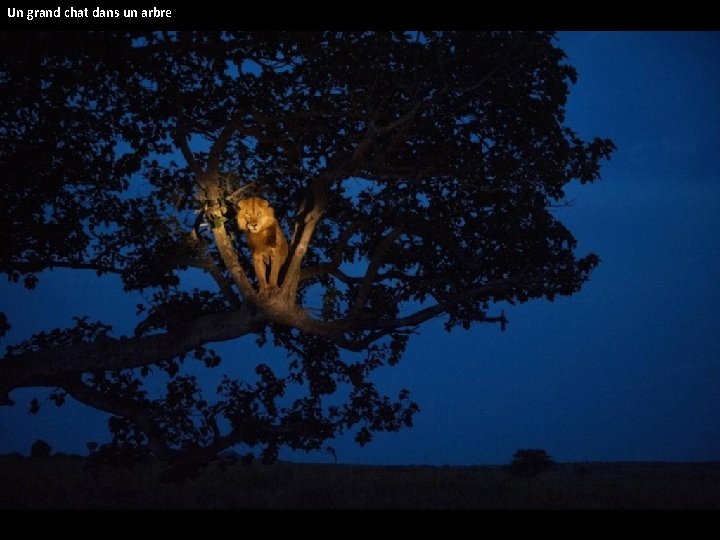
<point x="414" y="173"/>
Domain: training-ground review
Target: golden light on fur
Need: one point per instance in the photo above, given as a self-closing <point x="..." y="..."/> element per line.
<point x="265" y="238"/>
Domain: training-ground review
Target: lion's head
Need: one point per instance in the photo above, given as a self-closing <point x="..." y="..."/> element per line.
<point x="255" y="215"/>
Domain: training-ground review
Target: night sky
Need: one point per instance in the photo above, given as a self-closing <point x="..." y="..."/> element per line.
<point x="627" y="369"/>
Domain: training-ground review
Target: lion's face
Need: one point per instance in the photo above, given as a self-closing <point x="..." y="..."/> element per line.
<point x="255" y="214"/>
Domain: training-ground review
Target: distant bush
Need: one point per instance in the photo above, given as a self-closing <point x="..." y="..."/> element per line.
<point x="40" y="449"/>
<point x="530" y="462"/>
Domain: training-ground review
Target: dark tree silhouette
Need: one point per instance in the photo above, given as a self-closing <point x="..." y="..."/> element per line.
<point x="414" y="173"/>
<point x="40" y="448"/>
<point x="530" y="462"/>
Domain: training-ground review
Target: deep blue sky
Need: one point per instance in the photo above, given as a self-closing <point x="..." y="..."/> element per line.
<point x="628" y="369"/>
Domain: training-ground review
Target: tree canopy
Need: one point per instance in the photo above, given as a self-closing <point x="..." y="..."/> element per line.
<point x="414" y="173"/>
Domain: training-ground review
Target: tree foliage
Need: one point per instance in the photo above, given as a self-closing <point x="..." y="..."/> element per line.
<point x="530" y="462"/>
<point x="415" y="175"/>
<point x="40" y="449"/>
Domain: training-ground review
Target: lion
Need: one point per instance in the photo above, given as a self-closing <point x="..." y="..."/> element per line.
<point x="267" y="242"/>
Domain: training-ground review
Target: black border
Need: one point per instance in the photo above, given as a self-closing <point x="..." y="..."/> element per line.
<point x="370" y="15"/>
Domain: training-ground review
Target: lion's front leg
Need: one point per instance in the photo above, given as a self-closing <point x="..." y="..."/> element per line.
<point x="275" y="265"/>
<point x="260" y="270"/>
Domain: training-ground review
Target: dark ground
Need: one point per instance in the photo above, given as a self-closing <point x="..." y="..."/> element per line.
<point x="66" y="482"/>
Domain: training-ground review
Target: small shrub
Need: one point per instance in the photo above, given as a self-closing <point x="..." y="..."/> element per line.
<point x="40" y="449"/>
<point x="528" y="463"/>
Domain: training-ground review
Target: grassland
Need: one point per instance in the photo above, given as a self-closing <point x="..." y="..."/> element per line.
<point x="65" y="482"/>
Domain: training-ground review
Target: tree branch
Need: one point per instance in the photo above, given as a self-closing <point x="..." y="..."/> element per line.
<point x="43" y="367"/>
<point x="209" y="184"/>
<point x="180" y="138"/>
<point x="372" y="269"/>
<point x="207" y="263"/>
<point x="336" y="260"/>
<point x="373" y="131"/>
<point x="304" y="229"/>
<point x="220" y="144"/>
<point x="232" y="263"/>
<point x="293" y="316"/>
<point x="430" y="312"/>
<point x="143" y="415"/>
<point x="323" y="269"/>
<point x="405" y="118"/>
<point x="139" y="412"/>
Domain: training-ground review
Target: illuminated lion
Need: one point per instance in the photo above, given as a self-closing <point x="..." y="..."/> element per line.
<point x="265" y="238"/>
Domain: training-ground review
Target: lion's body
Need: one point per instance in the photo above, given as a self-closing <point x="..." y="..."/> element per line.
<point x="265" y="238"/>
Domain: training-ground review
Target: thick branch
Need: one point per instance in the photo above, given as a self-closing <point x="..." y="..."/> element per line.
<point x="208" y="183"/>
<point x="46" y="367"/>
<point x="305" y="227"/>
<point x="210" y="186"/>
<point x="279" y="312"/>
<point x="232" y="263"/>
<point x="41" y="368"/>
